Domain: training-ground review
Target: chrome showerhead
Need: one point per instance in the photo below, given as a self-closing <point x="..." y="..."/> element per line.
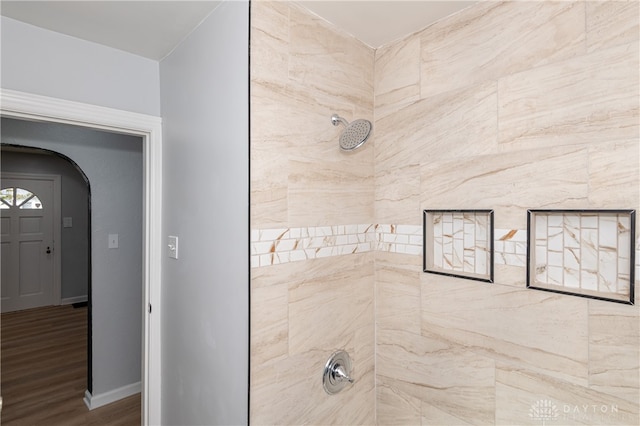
<point x="355" y="133"/>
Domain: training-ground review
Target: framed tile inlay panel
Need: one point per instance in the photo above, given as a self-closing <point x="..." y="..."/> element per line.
<point x="587" y="253"/>
<point x="459" y="243"/>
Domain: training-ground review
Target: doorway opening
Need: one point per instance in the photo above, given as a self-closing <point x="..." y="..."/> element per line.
<point x="114" y="164"/>
<point x="36" y="108"/>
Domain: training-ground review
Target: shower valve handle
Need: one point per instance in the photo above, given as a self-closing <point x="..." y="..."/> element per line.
<point x="340" y="374"/>
<point x="337" y="372"/>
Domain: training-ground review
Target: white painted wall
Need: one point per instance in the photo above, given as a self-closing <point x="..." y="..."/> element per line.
<point x="205" y="110"/>
<point x="74" y="204"/>
<point x="113" y="164"/>
<point x="44" y="62"/>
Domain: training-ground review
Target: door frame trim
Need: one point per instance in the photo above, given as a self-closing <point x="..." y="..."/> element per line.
<point x="32" y="107"/>
<point x="57" y="227"/>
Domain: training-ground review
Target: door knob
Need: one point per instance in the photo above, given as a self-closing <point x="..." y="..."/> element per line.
<point x="48" y="250"/>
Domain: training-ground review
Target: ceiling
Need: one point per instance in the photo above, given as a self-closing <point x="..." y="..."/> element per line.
<point x="377" y="22"/>
<point x="153" y="28"/>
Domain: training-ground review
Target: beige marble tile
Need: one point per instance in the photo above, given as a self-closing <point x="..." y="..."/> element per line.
<point x="495" y="39"/>
<point x="435" y="411"/>
<point x="269" y="323"/>
<point x="614" y="174"/>
<point x="443" y="374"/>
<point x="587" y="99"/>
<point x="545" y="331"/>
<point x="397" y="195"/>
<point x="508" y="183"/>
<point x="363" y="358"/>
<point x="289" y="392"/>
<point x="294" y="147"/>
<point x="271" y="110"/>
<point x="269" y="41"/>
<point x="296" y="271"/>
<point x="398" y="292"/>
<point x="269" y="183"/>
<point x="302" y="117"/>
<point x="394" y="407"/>
<point x="519" y="392"/>
<point x="269" y="207"/>
<point x="322" y="192"/>
<point x="363" y="355"/>
<point x="269" y="157"/>
<point x="510" y="275"/>
<point x="313" y="137"/>
<point x="279" y="328"/>
<point x="356" y="403"/>
<point x="610" y="23"/>
<point x="614" y="350"/>
<point x="456" y="124"/>
<point x="397" y="75"/>
<point x="270" y="312"/>
<point x="287" y="389"/>
<point x="326" y="309"/>
<point x="327" y="61"/>
<point x="432" y="415"/>
<point x="281" y="391"/>
<point x="327" y="185"/>
<point x="278" y="274"/>
<point x="397" y="139"/>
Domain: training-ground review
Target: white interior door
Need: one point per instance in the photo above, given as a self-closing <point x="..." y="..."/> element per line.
<point x="27" y="243"/>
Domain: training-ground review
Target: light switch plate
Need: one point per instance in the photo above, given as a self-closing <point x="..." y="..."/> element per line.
<point x="67" y="222"/>
<point x="113" y="241"/>
<point x="172" y="246"/>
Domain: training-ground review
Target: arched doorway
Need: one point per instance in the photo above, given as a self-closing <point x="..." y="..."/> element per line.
<point x="67" y="252"/>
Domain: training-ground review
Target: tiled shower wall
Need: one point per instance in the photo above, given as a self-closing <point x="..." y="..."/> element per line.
<point x="504" y="106"/>
<point x="311" y="281"/>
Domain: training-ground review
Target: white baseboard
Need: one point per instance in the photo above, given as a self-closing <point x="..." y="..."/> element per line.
<point x="72" y="300"/>
<point x="95" y="401"/>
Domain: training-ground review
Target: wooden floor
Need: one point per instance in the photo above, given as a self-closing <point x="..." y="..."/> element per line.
<point x="44" y="371"/>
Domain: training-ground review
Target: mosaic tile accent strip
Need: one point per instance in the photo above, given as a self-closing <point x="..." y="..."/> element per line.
<point x="510" y="247"/>
<point x="585" y="253"/>
<point x="275" y="246"/>
<point x="459" y="242"/>
<point x="399" y="239"/>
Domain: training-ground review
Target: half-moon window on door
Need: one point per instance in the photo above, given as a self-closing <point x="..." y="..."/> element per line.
<point x="20" y="198"/>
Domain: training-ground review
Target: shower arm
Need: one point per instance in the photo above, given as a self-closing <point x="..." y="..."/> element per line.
<point x="336" y="119"/>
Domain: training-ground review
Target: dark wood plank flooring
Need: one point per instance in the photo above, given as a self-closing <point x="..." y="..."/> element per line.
<point x="43" y="371"/>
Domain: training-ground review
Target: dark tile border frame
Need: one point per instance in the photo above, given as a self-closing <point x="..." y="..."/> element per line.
<point x="531" y="240"/>
<point x="490" y="213"/>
